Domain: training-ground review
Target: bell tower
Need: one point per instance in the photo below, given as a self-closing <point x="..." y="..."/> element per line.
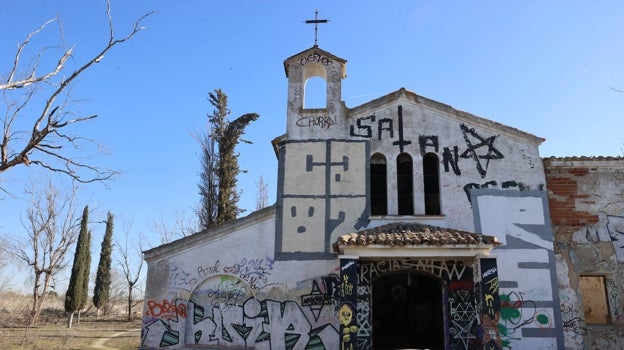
<point x="321" y="191"/>
<point x="321" y="176"/>
<point x="328" y="121"/>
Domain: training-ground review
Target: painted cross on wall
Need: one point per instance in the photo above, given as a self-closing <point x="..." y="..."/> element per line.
<point x="322" y="194"/>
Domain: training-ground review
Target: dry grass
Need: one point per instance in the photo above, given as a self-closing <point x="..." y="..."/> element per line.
<point x="106" y="333"/>
<point x="86" y="335"/>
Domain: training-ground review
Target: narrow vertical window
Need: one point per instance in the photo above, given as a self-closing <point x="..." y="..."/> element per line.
<point x="378" y="185"/>
<point x="405" y="193"/>
<point x="595" y="303"/>
<point x="431" y="178"/>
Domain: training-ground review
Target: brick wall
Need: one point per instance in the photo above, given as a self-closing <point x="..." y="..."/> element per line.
<point x="564" y="196"/>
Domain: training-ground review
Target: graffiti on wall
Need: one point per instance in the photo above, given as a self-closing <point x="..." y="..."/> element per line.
<point x="324" y="292"/>
<point x="614" y="299"/>
<point x="572" y="320"/>
<point x="165" y="309"/>
<point x="529" y="306"/>
<point x="318" y="121"/>
<point x="488" y="302"/>
<point x="316" y="57"/>
<point x="609" y="228"/>
<point x="347" y="314"/>
<point x="493" y="184"/>
<point x="254" y="272"/>
<point x="489" y="288"/>
<point x="263" y="323"/>
<point x="447" y="270"/>
<point x="223" y="311"/>
<point x="326" y="187"/>
<point x="478" y="148"/>
<point x="517" y="312"/>
<point x="464" y="326"/>
<point x="444" y="269"/>
<point x="181" y="279"/>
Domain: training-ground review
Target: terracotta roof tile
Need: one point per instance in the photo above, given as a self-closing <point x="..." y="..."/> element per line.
<point x="412" y="234"/>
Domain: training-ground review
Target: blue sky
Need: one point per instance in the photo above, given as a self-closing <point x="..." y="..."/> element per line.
<point x="550" y="68"/>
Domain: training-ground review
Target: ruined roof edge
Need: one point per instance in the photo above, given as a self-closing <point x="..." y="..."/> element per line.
<point x="584" y="161"/>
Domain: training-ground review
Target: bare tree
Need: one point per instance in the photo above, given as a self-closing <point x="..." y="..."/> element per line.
<point x="52" y="223"/>
<point x="117" y="291"/>
<point x="37" y="121"/>
<point x="184" y="225"/>
<point x="130" y="260"/>
<point x="262" y="196"/>
<point x="4" y="259"/>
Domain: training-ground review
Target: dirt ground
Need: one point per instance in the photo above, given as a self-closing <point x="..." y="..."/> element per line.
<point x="106" y="332"/>
<point x="105" y="335"/>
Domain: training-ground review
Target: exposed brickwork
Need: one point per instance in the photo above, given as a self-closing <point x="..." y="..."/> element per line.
<point x="563" y="196"/>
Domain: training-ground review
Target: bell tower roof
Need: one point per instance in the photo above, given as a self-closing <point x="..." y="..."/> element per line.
<point x="315" y="54"/>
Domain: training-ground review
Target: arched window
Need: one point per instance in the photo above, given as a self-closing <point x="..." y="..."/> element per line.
<point x="315" y="94"/>
<point x="404" y="184"/>
<point x="431" y="179"/>
<point x="378" y="185"/>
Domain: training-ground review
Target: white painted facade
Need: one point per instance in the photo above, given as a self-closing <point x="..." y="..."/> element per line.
<point x="273" y="280"/>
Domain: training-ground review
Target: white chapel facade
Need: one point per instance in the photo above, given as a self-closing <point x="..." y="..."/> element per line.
<point x="401" y="223"/>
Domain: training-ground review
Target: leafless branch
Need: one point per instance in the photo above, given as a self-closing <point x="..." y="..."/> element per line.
<point x="131" y="269"/>
<point x="616" y="90"/>
<point x="51" y="224"/>
<point x="45" y="144"/>
<point x="32" y="78"/>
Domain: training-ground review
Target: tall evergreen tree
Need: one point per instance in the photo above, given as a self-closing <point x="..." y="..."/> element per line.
<point x="101" y="291"/>
<point x="76" y="296"/>
<point x="86" y="270"/>
<point x="221" y="169"/>
<point x="208" y="183"/>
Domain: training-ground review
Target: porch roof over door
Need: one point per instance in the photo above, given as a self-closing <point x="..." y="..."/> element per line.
<point x="414" y="240"/>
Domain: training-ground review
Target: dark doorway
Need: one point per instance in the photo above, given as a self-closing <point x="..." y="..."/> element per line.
<point x="407" y="312"/>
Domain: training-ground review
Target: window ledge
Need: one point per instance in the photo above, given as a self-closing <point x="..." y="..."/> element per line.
<point x="314" y="110"/>
<point x="407" y="217"/>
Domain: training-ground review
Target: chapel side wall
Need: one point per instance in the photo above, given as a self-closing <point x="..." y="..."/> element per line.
<point x="198" y="293"/>
<point x="587" y="213"/>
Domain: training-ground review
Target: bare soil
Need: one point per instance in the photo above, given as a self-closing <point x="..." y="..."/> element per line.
<point x="104" y="335"/>
<point x="112" y="331"/>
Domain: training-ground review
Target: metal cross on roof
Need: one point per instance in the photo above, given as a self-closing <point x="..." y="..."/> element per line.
<point x="316" y="21"/>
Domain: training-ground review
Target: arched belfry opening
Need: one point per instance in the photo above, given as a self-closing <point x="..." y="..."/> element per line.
<point x="314" y="93"/>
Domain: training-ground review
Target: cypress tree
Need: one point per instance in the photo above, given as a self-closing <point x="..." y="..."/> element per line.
<point x="228" y="168"/>
<point x="86" y="269"/>
<point x="76" y="296"/>
<point x="101" y="291"/>
<point x="220" y="197"/>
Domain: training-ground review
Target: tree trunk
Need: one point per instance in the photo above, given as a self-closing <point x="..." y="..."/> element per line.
<point x="70" y="319"/>
<point x="97" y="314"/>
<point x="35" y="308"/>
<point x="39" y="295"/>
<point x="130" y="305"/>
